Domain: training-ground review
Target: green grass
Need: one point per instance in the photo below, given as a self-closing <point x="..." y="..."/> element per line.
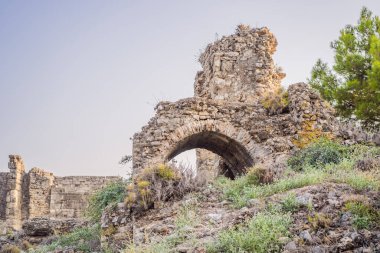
<point x="186" y="218"/>
<point x="81" y="239"/>
<point x="239" y="192"/>
<point x="112" y="193"/>
<point x="364" y="215"/>
<point x="260" y="234"/>
<point x="320" y="170"/>
<point x="290" y="203"/>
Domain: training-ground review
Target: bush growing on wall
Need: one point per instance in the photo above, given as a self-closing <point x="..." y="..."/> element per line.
<point x="112" y="193"/>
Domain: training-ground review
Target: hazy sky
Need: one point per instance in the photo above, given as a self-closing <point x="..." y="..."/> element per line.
<point x="79" y="78"/>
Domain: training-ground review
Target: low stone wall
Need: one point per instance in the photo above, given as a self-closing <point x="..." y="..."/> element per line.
<point x="69" y="195"/>
<point x="3" y="194"/>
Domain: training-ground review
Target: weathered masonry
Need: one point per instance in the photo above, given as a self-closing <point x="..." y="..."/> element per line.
<point x="39" y="193"/>
<point x="226" y="120"/>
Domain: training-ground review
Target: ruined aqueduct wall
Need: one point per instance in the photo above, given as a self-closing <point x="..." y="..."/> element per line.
<point x="39" y="193"/>
<point x="227" y="117"/>
<point x="243" y="134"/>
<point x="69" y="195"/>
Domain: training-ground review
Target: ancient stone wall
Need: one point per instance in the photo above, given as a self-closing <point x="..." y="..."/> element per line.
<point x="69" y="195"/>
<point x="227" y="115"/>
<point x="3" y="193"/>
<point x="14" y="200"/>
<point x="239" y="67"/>
<point x="242" y="134"/>
<point x="39" y="186"/>
<point x="39" y="193"/>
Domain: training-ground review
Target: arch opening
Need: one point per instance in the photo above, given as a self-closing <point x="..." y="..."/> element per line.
<point x="236" y="159"/>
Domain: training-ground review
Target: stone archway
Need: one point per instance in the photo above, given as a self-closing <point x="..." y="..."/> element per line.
<point x="185" y="125"/>
<point x="227" y="115"/>
<point x="236" y="157"/>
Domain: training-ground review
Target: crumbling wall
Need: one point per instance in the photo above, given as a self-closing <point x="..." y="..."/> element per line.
<point x="69" y="195"/>
<point x="39" y="183"/>
<point x="3" y="193"/>
<point x="192" y="122"/>
<point x="14" y="200"/>
<point x="239" y="67"/>
<point x="39" y="193"/>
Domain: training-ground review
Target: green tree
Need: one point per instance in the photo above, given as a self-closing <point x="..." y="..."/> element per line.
<point x="353" y="83"/>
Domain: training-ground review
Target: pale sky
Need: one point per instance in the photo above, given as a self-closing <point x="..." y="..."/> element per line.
<point x="79" y="78"/>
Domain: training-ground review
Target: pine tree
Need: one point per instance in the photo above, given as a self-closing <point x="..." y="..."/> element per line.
<point x="353" y="83"/>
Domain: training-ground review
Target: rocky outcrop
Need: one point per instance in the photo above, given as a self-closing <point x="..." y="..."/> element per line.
<point x="46" y="227"/>
<point x="213" y="216"/>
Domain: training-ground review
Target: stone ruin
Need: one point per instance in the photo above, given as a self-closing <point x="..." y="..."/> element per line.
<point x="36" y="194"/>
<point x="226" y="120"/>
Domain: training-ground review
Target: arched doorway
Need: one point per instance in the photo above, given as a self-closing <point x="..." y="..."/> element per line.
<point x="236" y="159"/>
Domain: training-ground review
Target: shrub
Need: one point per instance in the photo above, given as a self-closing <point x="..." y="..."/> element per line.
<point x="319" y="220"/>
<point x="258" y="175"/>
<point x="318" y="154"/>
<point x="364" y="215"/>
<point x="159" y="183"/>
<point x="261" y="234"/>
<point x="276" y="103"/>
<point x="290" y="203"/>
<point x="111" y="194"/>
<point x="309" y="134"/>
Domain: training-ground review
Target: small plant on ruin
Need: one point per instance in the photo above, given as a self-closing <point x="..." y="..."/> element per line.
<point x="365" y="216"/>
<point x="111" y="194"/>
<point x="309" y="134"/>
<point x="276" y="103"/>
<point x="159" y="183"/>
<point x="258" y="175"/>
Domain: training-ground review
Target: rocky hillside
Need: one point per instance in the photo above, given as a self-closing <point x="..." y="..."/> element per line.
<point x="327" y="200"/>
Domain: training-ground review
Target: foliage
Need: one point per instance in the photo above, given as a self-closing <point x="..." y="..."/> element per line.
<point x="365" y="216"/>
<point x="318" y="154"/>
<point x="240" y="190"/>
<point x="290" y="203"/>
<point x="159" y="183"/>
<point x="112" y="193"/>
<point x="353" y="83"/>
<point x="85" y="239"/>
<point x="276" y="103"/>
<point x="125" y="159"/>
<point x="309" y="134"/>
<point x="258" y="175"/>
<point x="261" y="234"/>
<point x="318" y="220"/>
